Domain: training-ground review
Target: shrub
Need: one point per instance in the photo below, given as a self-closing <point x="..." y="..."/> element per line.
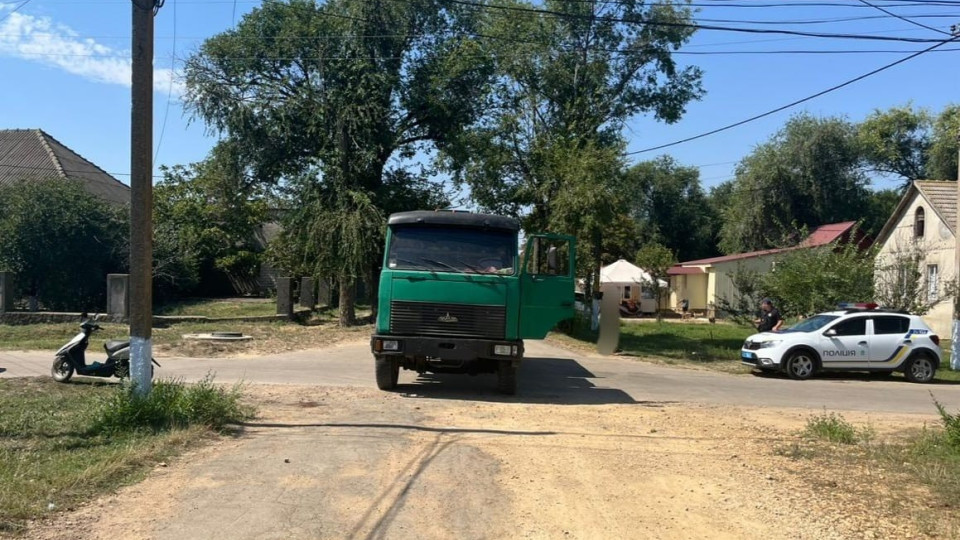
<point x="170" y="405"/>
<point x="951" y="426"/>
<point x="834" y="428"/>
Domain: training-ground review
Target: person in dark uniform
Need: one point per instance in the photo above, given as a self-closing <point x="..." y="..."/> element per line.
<point x="770" y="319"/>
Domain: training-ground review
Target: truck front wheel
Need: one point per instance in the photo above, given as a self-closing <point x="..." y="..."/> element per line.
<point x="507" y="377"/>
<point x="388" y="372"/>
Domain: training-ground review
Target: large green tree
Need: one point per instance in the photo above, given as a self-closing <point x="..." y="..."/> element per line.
<point x="806" y="175"/>
<point x="206" y="216"/>
<point x="568" y="77"/>
<point x="60" y="242"/>
<point x="329" y="94"/>
<point x="671" y="208"/>
<point x="912" y="143"/>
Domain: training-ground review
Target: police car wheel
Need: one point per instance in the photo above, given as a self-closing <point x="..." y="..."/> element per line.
<point x="920" y="369"/>
<point x="801" y="365"/>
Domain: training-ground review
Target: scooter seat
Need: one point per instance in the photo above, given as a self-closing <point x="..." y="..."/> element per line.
<point x="114" y="346"/>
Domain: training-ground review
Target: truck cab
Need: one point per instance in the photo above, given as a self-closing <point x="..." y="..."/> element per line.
<point x="457" y="296"/>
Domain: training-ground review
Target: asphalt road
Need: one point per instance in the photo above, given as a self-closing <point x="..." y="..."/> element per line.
<point x="550" y="374"/>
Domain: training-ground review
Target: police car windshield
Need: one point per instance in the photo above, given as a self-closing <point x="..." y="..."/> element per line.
<point x="812" y="324"/>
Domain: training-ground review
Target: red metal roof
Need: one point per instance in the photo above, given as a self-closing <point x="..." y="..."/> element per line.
<point x="821" y="236"/>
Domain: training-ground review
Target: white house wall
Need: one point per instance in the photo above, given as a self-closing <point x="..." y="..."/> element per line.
<point x="723" y="287"/>
<point x="938" y="243"/>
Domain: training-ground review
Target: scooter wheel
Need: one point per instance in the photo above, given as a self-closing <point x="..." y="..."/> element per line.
<point x="62" y="369"/>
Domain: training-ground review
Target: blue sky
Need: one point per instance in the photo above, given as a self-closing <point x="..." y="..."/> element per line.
<point x="65" y="69"/>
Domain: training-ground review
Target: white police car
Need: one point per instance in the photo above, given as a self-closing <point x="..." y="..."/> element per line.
<point x="856" y="337"/>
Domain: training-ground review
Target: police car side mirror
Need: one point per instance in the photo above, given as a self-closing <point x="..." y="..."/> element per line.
<point x="830" y="333"/>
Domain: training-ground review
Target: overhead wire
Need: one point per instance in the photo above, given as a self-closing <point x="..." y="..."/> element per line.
<point x="173" y="71"/>
<point x="909" y="20"/>
<point x="692" y="26"/>
<point x="14" y="10"/>
<point x="794" y="103"/>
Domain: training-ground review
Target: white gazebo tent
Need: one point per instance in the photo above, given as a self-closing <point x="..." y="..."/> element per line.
<point x="632" y="282"/>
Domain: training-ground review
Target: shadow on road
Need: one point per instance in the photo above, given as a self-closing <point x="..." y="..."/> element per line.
<point x="541" y="380"/>
<point x="403" y="427"/>
<point x="853" y="376"/>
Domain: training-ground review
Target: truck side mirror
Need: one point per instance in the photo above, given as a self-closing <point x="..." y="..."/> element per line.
<point x="552" y="266"/>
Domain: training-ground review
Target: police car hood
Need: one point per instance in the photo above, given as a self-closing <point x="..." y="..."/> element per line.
<point x="768" y="336"/>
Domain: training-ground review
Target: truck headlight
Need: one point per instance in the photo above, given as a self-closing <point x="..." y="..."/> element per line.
<point x="504" y="350"/>
<point x="391" y="345"/>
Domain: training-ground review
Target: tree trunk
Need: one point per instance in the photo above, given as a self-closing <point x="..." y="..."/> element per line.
<point x="348" y="297"/>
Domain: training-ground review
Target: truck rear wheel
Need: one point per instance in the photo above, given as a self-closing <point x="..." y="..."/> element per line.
<point x="507" y="377"/>
<point x="388" y="372"/>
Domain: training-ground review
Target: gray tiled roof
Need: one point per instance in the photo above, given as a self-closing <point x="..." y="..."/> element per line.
<point x="943" y="196"/>
<point x="27" y="154"/>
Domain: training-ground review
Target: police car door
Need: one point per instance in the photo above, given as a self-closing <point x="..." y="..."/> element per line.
<point x="845" y="344"/>
<point x="890" y="342"/>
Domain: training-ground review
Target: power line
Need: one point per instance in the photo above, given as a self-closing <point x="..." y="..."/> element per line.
<point x="794" y="103"/>
<point x="692" y="26"/>
<point x="14" y="10"/>
<point x="915" y="23"/>
<point x="52" y="171"/>
<point x="173" y="66"/>
<point x="612" y="51"/>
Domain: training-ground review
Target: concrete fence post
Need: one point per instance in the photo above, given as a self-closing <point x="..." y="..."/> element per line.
<point x="323" y="292"/>
<point x="308" y="298"/>
<point x="6" y="292"/>
<point x="118" y="295"/>
<point x="285" y="296"/>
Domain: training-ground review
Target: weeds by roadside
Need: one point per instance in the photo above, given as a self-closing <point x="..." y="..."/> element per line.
<point x="835" y="428"/>
<point x="916" y="472"/>
<point x="62" y="444"/>
<point x="171" y="405"/>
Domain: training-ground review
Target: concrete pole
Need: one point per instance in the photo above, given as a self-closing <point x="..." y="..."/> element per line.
<point x="955" y="334"/>
<point x="141" y="197"/>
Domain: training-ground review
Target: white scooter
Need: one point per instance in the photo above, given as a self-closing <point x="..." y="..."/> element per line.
<point x="71" y="357"/>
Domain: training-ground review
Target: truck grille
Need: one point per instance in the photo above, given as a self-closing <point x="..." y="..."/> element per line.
<point x="466" y="320"/>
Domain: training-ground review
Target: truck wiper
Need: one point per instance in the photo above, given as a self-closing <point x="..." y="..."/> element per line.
<point x="418" y="265"/>
<point x="472" y="267"/>
<point x="443" y="264"/>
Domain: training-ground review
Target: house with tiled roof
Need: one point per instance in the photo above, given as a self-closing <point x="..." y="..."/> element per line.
<point x="29" y="155"/>
<point x="704" y="283"/>
<point x="924" y="222"/>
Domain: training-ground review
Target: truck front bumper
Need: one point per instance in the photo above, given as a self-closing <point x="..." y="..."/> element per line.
<point x="447" y="348"/>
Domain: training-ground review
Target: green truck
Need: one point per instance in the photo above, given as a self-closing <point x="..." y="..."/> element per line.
<point x="457" y="297"/>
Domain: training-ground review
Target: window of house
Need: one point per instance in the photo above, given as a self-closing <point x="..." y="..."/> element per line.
<point x="626" y="292"/>
<point x="933" y="283"/>
<point x="918" y="223"/>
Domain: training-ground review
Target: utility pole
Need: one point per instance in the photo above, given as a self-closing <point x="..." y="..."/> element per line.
<point x="141" y="196"/>
<point x="955" y="331"/>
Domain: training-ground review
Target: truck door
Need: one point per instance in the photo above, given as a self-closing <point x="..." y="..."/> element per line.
<point x="546" y="284"/>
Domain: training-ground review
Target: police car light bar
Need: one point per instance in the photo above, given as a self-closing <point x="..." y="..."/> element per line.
<point x="857" y="305"/>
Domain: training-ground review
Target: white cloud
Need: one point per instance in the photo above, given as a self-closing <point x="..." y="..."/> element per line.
<point x="41" y="40"/>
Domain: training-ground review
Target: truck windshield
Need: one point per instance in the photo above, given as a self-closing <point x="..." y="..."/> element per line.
<point x="458" y="250"/>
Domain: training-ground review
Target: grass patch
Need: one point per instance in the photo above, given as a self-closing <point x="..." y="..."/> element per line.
<point x="61" y="444"/>
<point x="268" y="336"/>
<point x="227" y="307"/>
<point x="671" y="342"/>
<point x="916" y="472"/>
<point x="834" y="428"/>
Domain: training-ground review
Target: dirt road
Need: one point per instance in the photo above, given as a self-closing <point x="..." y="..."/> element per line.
<point x="339" y="462"/>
